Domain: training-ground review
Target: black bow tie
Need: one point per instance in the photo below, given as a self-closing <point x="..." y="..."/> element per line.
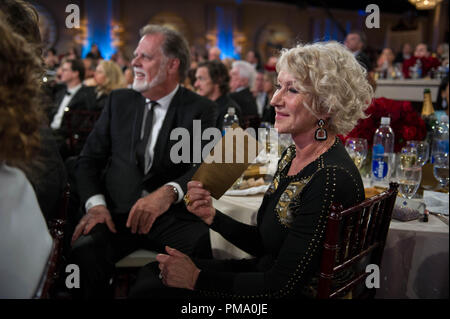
<point x="68" y="93"/>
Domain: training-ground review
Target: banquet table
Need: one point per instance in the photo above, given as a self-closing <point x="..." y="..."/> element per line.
<point x="407" y="89"/>
<point x="415" y="259"/>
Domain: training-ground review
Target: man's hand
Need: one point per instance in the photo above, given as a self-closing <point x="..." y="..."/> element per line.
<point x="144" y="213"/>
<point x="96" y="215"/>
<point x="177" y="269"/>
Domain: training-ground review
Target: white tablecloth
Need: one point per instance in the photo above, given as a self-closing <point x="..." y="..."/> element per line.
<point x="415" y="260"/>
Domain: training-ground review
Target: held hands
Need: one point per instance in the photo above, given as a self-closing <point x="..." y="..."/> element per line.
<point x="199" y="202"/>
<point x="95" y="215"/>
<point x="177" y="269"/>
<point x="144" y="213"/>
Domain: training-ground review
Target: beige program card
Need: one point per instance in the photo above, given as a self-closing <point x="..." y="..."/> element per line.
<point x="229" y="158"/>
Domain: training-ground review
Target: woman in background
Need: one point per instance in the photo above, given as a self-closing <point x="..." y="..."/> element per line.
<point x="108" y="76"/>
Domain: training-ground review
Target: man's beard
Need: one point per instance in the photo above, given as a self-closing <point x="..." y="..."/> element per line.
<point x="144" y="85"/>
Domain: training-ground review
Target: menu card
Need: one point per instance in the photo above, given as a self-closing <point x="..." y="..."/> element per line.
<point x="226" y="162"/>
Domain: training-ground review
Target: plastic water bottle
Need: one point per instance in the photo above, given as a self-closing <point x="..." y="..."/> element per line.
<point x="383" y="157"/>
<point x="419" y="69"/>
<point x="229" y="119"/>
<point x="440" y="143"/>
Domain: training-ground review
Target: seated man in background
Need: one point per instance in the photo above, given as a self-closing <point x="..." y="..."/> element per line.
<point x="74" y="96"/>
<point x="242" y="76"/>
<point x="128" y="182"/>
<point x="355" y="41"/>
<point x="212" y="82"/>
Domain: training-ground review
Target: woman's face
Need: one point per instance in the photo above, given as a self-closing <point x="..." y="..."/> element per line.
<point x="292" y="117"/>
<point x="267" y="84"/>
<point x="99" y="75"/>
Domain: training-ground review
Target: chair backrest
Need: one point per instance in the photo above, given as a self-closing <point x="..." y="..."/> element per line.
<point x="56" y="229"/>
<point x="79" y="124"/>
<point x="354" y="238"/>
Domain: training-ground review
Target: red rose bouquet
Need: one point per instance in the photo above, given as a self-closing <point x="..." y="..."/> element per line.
<point x="405" y="122"/>
<point x="427" y="64"/>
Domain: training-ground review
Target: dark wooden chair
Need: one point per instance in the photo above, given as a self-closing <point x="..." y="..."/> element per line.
<point x="354" y="238"/>
<point x="79" y="124"/>
<point x="52" y="268"/>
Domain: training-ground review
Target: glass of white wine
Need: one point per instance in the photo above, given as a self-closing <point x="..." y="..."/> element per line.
<point x="408" y="157"/>
<point x="408" y="178"/>
<point x="423" y="151"/>
<point x="440" y="169"/>
<point x="357" y="149"/>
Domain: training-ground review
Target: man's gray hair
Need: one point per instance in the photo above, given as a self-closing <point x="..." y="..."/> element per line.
<point x="246" y="70"/>
<point x="174" y="46"/>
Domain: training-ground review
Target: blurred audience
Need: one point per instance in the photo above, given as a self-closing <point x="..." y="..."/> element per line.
<point x="254" y="58"/>
<point x="242" y="77"/>
<point x="270" y="82"/>
<point x="442" y="53"/>
<point x="405" y="54"/>
<point x="108" y="77"/>
<point x="94" y="53"/>
<point x="214" y="54"/>
<point x="442" y="97"/>
<point x="90" y="65"/>
<point x="74" y="96"/>
<point x="355" y="41"/>
<point x="422" y="60"/>
<point x="212" y="82"/>
<point x="51" y="59"/>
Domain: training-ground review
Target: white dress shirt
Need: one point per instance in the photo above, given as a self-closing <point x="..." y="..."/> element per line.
<point x="261" y="102"/>
<point x="159" y="115"/>
<point x="57" y="119"/>
<point x="25" y="242"/>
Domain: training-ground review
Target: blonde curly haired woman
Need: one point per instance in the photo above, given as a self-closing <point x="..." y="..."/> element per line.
<point x="25" y="243"/>
<point x="109" y="76"/>
<point x="322" y="91"/>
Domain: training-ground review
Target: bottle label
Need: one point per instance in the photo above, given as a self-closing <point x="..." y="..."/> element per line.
<point x="379" y="168"/>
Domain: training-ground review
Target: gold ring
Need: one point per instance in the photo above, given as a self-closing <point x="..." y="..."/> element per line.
<point x="186" y="199"/>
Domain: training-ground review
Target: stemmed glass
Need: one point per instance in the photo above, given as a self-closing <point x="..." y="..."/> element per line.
<point x="408" y="178"/>
<point x="423" y="151"/>
<point x="408" y="157"/>
<point x="440" y="169"/>
<point x="357" y="149"/>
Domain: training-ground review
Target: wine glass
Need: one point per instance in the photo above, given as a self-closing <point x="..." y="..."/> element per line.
<point x="423" y="151"/>
<point x="357" y="149"/>
<point x="408" y="157"/>
<point x="440" y="169"/>
<point x="408" y="179"/>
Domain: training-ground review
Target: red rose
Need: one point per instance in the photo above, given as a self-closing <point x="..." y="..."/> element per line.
<point x="409" y="133"/>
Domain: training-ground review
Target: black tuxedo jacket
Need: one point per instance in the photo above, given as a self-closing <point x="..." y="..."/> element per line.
<point x="84" y="99"/>
<point x="246" y="101"/>
<point x="107" y="165"/>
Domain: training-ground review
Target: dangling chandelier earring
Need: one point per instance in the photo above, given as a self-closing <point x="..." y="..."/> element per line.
<point x="321" y="132"/>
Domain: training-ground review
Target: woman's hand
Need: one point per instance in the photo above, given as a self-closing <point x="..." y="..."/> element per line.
<point x="199" y="202"/>
<point x="177" y="269"/>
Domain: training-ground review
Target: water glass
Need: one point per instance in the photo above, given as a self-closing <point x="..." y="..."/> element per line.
<point x="423" y="151"/>
<point x="357" y="149"/>
<point x="440" y="169"/>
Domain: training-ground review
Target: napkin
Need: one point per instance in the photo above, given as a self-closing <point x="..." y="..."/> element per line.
<point x="226" y="162"/>
<point x="436" y="202"/>
<point x="248" y="191"/>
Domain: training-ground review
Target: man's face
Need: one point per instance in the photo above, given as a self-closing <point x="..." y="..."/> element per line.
<point x="421" y="51"/>
<point x="67" y="74"/>
<point x="259" y="82"/>
<point x="203" y="83"/>
<point x="149" y="64"/>
<point x="235" y="79"/>
<point x="353" y="42"/>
